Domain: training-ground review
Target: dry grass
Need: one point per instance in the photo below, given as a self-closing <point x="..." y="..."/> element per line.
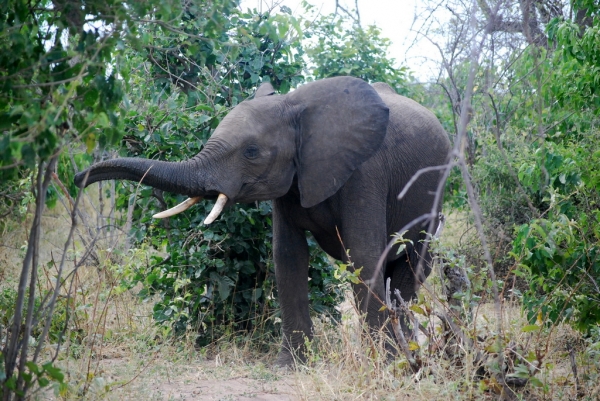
<point x="116" y="352"/>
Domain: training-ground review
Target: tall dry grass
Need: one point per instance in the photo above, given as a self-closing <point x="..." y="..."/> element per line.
<point x="114" y="350"/>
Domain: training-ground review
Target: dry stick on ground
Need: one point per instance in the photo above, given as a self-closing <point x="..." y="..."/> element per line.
<point x="578" y="390"/>
<point x="142" y="370"/>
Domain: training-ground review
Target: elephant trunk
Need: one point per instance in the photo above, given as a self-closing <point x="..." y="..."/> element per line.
<point x="177" y="177"/>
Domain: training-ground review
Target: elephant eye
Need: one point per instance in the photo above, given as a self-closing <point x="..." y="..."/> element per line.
<point x="251" y="152"/>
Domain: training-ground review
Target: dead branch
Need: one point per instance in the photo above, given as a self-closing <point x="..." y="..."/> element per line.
<point x="397" y="313"/>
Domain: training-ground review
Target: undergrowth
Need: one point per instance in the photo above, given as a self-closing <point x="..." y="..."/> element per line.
<point x="113" y="349"/>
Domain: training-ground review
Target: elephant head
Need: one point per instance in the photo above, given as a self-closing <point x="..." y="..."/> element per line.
<point x="319" y="133"/>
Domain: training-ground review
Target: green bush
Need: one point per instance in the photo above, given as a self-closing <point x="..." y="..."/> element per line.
<point x="533" y="151"/>
<point x="559" y="253"/>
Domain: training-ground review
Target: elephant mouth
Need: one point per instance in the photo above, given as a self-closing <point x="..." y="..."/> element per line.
<point x="247" y="189"/>
<point x="210" y="196"/>
<point x="255" y="191"/>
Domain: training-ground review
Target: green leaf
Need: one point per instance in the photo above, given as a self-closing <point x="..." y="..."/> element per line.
<point x="90" y="143"/>
<point x="27" y="377"/>
<point x="11" y="383"/>
<point x="63" y="388"/>
<point x="53" y="372"/>
<point x="413" y="346"/>
<point x="417" y="309"/>
<point x="530" y="328"/>
<point x="535" y="382"/>
<point x="43" y="382"/>
<point x="33" y="368"/>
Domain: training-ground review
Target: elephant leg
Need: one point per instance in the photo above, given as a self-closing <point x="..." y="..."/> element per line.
<point x="407" y="276"/>
<point x="290" y="254"/>
<point x="370" y="293"/>
<point x="365" y="238"/>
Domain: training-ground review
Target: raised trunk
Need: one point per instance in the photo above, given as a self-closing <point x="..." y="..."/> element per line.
<point x="177" y="177"/>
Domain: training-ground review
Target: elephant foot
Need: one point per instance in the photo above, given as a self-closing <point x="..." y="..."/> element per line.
<point x="293" y="350"/>
<point x="285" y="361"/>
<point x="290" y="360"/>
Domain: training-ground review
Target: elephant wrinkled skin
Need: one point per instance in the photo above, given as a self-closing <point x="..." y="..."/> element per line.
<point x="332" y="155"/>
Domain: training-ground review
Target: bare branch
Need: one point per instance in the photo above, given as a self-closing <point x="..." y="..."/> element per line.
<point x="508" y="164"/>
<point x="396" y="314"/>
<point x="419" y="173"/>
<point x="355" y="18"/>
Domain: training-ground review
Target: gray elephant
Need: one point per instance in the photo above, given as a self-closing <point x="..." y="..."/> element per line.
<point x="333" y="156"/>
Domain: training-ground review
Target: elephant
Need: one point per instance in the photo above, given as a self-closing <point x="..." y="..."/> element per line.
<point x="332" y="156"/>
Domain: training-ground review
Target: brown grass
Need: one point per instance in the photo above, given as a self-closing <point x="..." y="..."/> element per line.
<point x="116" y="352"/>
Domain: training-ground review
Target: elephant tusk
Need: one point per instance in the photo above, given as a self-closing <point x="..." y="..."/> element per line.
<point x="183" y="206"/>
<point x="216" y="210"/>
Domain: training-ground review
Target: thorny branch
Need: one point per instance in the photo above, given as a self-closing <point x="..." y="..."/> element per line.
<point x="398" y="312"/>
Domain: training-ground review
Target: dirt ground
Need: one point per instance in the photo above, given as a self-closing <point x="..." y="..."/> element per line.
<point x="231" y="389"/>
<point x="204" y="381"/>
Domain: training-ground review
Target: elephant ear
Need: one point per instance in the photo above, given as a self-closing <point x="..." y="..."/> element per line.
<point x="265" y="89"/>
<point x="342" y="121"/>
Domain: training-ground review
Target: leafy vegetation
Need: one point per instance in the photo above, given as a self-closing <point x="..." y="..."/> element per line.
<point x="58" y="85"/>
<point x="338" y="46"/>
<point x="532" y="145"/>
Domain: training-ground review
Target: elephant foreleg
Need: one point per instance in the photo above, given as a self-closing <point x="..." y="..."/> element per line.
<point x="290" y="254"/>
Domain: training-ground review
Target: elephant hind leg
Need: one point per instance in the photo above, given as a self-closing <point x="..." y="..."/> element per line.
<point x="409" y="271"/>
<point x="407" y="275"/>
